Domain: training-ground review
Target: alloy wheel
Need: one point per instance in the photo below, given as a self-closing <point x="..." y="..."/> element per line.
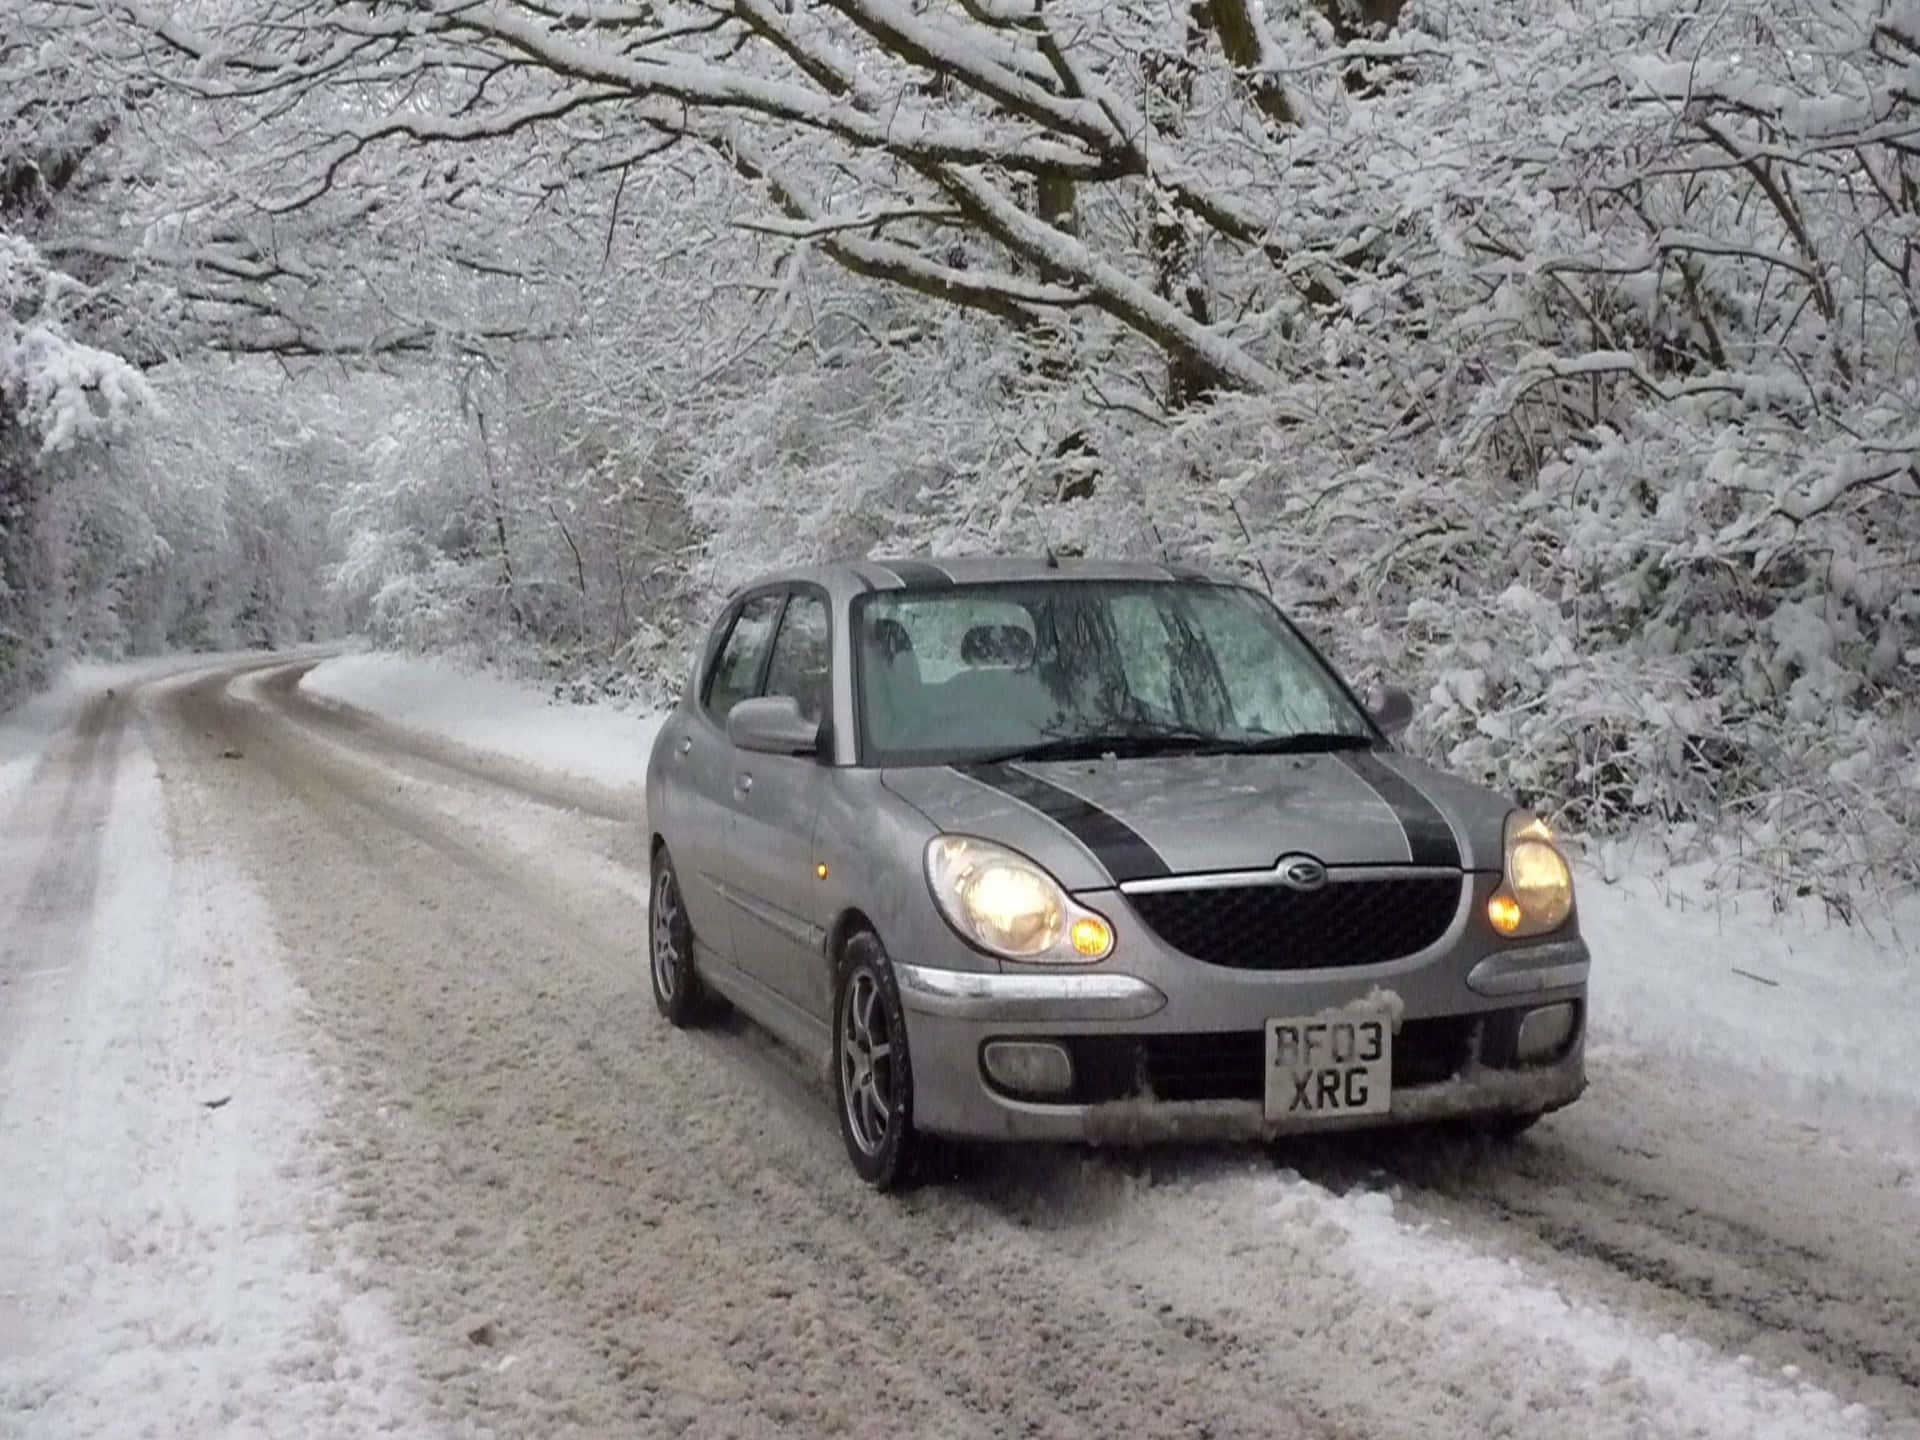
<point x="866" y="1063"/>
<point x="666" y="936"/>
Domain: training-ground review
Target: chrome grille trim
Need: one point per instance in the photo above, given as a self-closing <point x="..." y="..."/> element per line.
<point x="1336" y="875"/>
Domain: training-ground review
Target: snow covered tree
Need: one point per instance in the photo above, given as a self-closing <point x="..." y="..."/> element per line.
<point x="1600" y="320"/>
<point x="56" y="390"/>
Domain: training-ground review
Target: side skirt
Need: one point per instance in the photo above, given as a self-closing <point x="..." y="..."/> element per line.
<point x="787" y="1022"/>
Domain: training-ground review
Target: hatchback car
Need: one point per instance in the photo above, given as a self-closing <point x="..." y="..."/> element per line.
<point x="1106" y="852"/>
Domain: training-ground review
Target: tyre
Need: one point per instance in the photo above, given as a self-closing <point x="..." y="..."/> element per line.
<point x="872" y="1071"/>
<point x="677" y="991"/>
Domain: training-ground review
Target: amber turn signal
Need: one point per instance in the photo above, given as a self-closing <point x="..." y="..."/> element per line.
<point x="1503" y="913"/>
<point x="1092" y="936"/>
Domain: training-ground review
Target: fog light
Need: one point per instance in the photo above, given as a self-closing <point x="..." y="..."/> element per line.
<point x="1028" y="1067"/>
<point x="1544" y="1034"/>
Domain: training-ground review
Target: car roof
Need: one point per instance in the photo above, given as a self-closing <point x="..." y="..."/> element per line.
<point x="944" y="572"/>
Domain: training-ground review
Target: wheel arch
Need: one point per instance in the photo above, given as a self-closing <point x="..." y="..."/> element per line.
<point x="848" y="923"/>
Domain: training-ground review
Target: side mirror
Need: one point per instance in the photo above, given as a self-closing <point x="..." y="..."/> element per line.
<point x="1393" y="710"/>
<point x="773" y="725"/>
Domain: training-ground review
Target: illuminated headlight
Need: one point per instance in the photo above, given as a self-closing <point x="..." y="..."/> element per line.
<point x="1536" y="893"/>
<point x="1008" y="906"/>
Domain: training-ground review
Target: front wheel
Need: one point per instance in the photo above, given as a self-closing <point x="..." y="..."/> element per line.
<point x="677" y="991"/>
<point x="872" y="1072"/>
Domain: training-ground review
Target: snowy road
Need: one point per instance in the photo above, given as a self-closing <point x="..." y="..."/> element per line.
<point x="333" y="1097"/>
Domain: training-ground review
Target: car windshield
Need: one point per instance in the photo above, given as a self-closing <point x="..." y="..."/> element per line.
<point x="1066" y="669"/>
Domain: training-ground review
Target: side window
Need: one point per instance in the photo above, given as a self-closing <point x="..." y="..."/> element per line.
<point x="801" y="656"/>
<point x="736" y="670"/>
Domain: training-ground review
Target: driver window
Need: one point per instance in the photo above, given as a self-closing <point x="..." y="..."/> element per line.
<point x="1147" y="654"/>
<point x="801" y="651"/>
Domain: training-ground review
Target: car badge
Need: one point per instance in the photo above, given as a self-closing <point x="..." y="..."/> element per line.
<point x="1301" y="872"/>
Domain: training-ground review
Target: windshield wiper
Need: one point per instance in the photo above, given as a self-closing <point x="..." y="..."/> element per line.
<point x="1304" y="742"/>
<point x="1140" y="743"/>
<point x="1092" y="747"/>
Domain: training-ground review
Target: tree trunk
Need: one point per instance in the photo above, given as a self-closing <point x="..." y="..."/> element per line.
<point x="1361" y="20"/>
<point x="1240" y="41"/>
<point x="499" y="520"/>
<point x="1190" y="378"/>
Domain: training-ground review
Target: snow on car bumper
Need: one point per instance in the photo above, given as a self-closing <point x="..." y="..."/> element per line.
<point x="1145" y="1069"/>
<point x="1480" y="1095"/>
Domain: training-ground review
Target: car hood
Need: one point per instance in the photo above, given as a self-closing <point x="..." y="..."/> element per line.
<point x="1094" y="823"/>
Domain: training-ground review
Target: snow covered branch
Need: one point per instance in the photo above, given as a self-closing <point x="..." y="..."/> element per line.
<point x="1001" y="112"/>
<point x="52" y="385"/>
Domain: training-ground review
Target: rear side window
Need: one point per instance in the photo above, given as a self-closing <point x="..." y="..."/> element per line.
<point x="736" y="671"/>
<point x="800" y="656"/>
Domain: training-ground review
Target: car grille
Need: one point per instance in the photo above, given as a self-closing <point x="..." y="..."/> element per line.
<point x="1274" y="927"/>
<point x="1232" y="1065"/>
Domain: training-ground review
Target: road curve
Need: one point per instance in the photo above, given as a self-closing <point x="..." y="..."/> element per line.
<point x="589" y="1223"/>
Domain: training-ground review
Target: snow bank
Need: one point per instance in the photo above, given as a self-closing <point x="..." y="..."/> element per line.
<point x="1542" y="1356"/>
<point x="486" y="712"/>
<point x="1801" y="997"/>
<point x="1365" y="1306"/>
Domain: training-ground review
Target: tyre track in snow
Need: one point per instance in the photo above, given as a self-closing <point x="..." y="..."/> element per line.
<point x="62" y="815"/>
<point x="516" y="1138"/>
<point x="162" y="1268"/>
<point x="50" y="846"/>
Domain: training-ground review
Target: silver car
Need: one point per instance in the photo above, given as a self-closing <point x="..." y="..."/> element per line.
<point x="1094" y="851"/>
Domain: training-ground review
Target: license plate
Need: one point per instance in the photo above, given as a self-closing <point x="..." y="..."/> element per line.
<point x="1321" y="1067"/>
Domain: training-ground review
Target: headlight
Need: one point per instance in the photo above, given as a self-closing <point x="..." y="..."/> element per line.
<point x="1009" y="906"/>
<point x="1536" y="894"/>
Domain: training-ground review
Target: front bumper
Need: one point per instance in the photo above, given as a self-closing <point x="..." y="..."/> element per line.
<point x="1148" y="1068"/>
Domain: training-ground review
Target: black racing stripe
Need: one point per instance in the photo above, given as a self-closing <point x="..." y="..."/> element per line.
<point x="1114" y="843"/>
<point x="918" y="574"/>
<point x="1429" y="836"/>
